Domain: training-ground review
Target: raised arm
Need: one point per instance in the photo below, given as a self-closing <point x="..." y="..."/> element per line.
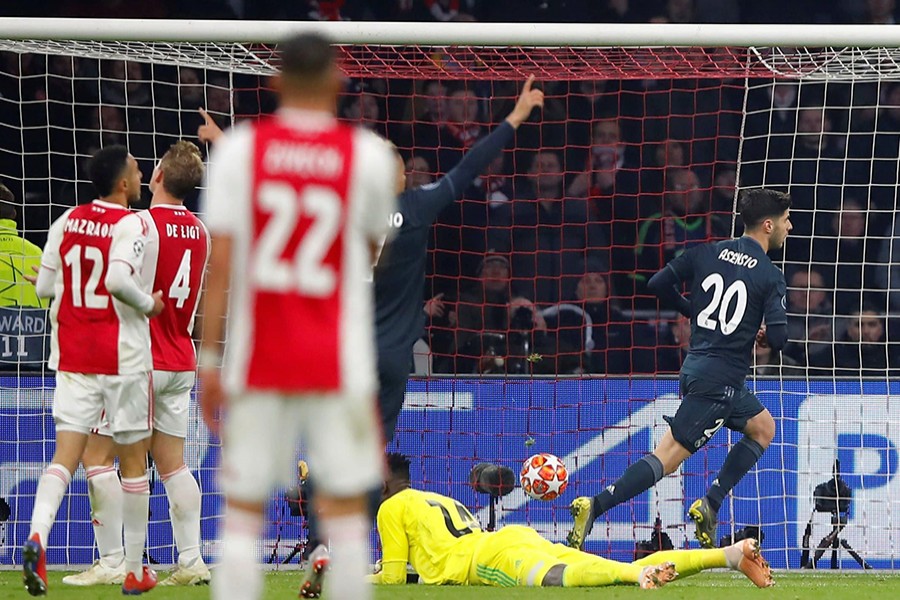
<point x="453" y="185"/>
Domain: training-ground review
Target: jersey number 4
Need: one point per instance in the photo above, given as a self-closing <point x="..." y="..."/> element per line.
<point x="306" y="272"/>
<point x="736" y="293"/>
<point x="180" y="290"/>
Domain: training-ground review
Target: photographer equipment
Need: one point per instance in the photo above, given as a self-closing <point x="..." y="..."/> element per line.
<point x="832" y="496"/>
<point x="750" y="531"/>
<point x="659" y="540"/>
<point x="494" y="480"/>
<point x="298" y="506"/>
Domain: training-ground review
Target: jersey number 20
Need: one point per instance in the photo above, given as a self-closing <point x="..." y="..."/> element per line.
<point x="736" y="293"/>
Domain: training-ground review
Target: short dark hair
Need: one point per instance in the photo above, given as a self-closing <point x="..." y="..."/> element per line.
<point x="106" y="168"/>
<point x="759" y="204"/>
<point x="7" y="203"/>
<point x="306" y="58"/>
<point x="398" y="465"/>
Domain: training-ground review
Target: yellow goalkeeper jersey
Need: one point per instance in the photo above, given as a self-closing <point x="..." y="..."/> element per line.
<point x="435" y="534"/>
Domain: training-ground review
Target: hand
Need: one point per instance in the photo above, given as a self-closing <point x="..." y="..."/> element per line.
<point x="819" y="333"/>
<point x="158" y="304"/>
<point x="32" y="279"/>
<point x="761" y="340"/>
<point x="211" y="397"/>
<point x="435" y="306"/>
<point x="528" y="99"/>
<point x="209" y="131"/>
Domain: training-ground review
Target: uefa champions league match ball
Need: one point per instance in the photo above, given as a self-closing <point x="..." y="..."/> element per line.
<point x="544" y="477"/>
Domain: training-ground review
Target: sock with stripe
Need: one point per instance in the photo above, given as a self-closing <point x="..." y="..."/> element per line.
<point x="349" y="536"/>
<point x="638" y="478"/>
<point x="739" y="461"/>
<point x="135" y="506"/>
<point x="238" y="576"/>
<point x="50" y="491"/>
<point x="184" y="511"/>
<point x="105" y="493"/>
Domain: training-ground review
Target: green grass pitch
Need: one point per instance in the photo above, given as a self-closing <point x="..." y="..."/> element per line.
<point x="793" y="586"/>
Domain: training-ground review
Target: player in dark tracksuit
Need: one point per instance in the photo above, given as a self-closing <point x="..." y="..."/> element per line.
<point x="399" y="275"/>
<point x="734" y="287"/>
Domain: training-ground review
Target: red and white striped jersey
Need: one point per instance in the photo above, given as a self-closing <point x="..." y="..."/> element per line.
<point x="92" y="332"/>
<point x="175" y="263"/>
<point x="302" y="197"/>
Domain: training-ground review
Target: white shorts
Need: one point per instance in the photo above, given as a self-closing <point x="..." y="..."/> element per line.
<point x="262" y="431"/>
<point x="172" y="401"/>
<point x="81" y="400"/>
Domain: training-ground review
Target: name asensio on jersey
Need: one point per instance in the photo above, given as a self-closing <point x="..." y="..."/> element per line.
<point x="738" y="258"/>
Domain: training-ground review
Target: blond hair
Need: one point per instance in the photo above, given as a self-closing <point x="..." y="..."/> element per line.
<point x="182" y="167"/>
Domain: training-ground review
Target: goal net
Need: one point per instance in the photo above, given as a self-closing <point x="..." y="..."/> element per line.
<point x="541" y="334"/>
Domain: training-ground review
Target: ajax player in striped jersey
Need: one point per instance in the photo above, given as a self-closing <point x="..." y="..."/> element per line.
<point x="296" y="206"/>
<point x="175" y="255"/>
<point x="100" y="350"/>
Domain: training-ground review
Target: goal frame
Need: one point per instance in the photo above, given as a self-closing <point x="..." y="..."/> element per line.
<point x="453" y="33"/>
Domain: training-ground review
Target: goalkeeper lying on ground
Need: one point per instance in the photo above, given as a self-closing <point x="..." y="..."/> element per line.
<point x="443" y="542"/>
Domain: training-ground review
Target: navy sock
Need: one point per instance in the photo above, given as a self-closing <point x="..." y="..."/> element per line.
<point x="638" y="478"/>
<point x="740" y="459"/>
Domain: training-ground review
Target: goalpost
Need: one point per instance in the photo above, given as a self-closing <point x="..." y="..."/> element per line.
<point x="638" y="118"/>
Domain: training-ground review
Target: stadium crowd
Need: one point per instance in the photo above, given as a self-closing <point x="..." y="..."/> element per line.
<point x="542" y="268"/>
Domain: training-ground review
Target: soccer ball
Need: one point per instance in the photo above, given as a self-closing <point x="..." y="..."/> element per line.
<point x="544" y="477"/>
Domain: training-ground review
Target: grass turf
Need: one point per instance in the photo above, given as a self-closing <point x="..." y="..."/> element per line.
<point x="795" y="586"/>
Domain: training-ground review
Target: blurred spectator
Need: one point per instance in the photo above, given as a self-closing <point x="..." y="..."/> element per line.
<point x="418" y="172"/>
<point x="810" y="317"/>
<point x="18" y="256"/>
<point x="846" y="249"/>
<point x="723" y="190"/>
<point x="461" y="129"/>
<point x="360" y="105"/>
<point x="769" y="128"/>
<point x="426" y="110"/>
<point x="768" y="363"/>
<point x="676" y="11"/>
<point x="862" y="351"/>
<point x="667" y="154"/>
<point x="887" y="270"/>
<point x="611" y="169"/>
<point x="671" y="352"/>
<point x="880" y="12"/>
<point x="551" y="237"/>
<point x="611" y="328"/>
<point x="684" y="222"/>
<point x="874" y="151"/>
<point x="531" y="348"/>
<point x="483" y="318"/>
<point x="815" y="174"/>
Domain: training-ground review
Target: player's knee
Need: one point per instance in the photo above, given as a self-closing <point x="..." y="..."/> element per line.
<point x="761" y="429"/>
